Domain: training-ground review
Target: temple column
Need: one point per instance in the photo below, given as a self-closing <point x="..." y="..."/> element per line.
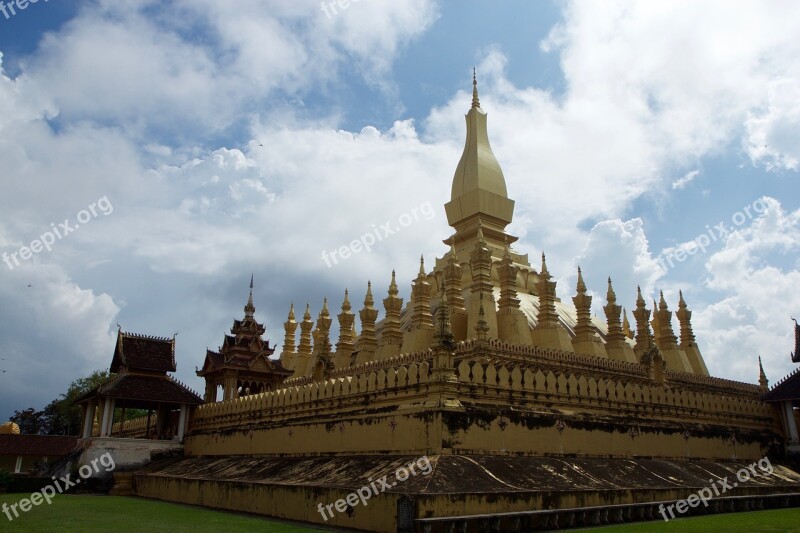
<point x="88" y="419"/>
<point x="182" y="422"/>
<point x="791" y="423"/>
<point x="108" y="418"/>
<point x="211" y="389"/>
<point x="162" y="418"/>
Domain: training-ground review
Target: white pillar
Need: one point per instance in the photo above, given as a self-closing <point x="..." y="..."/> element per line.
<point x="108" y="418"/>
<point x="18" y="466"/>
<point x="111" y="417"/>
<point x="88" y="423"/>
<point x="104" y="418"/>
<point x="182" y="423"/>
<point x="791" y="424"/>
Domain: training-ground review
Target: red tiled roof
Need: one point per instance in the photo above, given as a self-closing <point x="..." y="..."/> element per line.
<point x="148" y="389"/>
<point x="215" y="360"/>
<point x="786" y="389"/>
<point x="139" y="352"/>
<point x="37" y="445"/>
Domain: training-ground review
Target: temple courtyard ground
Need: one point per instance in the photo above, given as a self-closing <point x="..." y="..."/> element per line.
<point x="113" y="513"/>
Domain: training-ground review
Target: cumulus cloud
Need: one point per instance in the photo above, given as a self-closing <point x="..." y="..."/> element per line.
<point x="187" y="70"/>
<point x="756" y="273"/>
<point x="54" y="331"/>
<point x="773" y="133"/>
<point x="620" y="250"/>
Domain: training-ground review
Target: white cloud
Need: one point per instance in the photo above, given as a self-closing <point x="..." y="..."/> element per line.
<point x="773" y="133"/>
<point x="685" y="180"/>
<point x="618" y="249"/>
<point x="53" y="329"/>
<point x="190" y="69"/>
<point x="692" y="89"/>
<point x="753" y="318"/>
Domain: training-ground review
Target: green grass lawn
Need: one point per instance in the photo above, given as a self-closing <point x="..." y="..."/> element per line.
<point x="753" y="522"/>
<point x="110" y="513"/>
<point x="116" y="513"/>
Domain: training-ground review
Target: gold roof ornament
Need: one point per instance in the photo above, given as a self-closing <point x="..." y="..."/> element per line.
<point x="9" y="428"/>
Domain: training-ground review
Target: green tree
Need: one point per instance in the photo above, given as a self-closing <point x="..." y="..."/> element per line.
<point x="62" y="416"/>
<point x="30" y="421"/>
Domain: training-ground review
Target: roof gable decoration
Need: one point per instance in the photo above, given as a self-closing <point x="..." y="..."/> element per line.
<point x="143" y="352"/>
<point x="796" y="353"/>
<point x="787" y="388"/>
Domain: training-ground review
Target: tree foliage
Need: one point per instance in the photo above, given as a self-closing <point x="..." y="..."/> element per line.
<point x="62" y="416"/>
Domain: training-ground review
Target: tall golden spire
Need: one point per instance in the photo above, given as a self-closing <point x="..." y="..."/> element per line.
<point x="688" y="343"/>
<point x="392" y="335"/>
<point x="548" y="332"/>
<point x="626" y="326"/>
<point x="344" y="348"/>
<point x="586" y="340"/>
<point x="289" y="353"/>
<point x="642" y="315"/>
<point x="367" y="342"/>
<point x="304" y="348"/>
<point x="616" y="345"/>
<point x="421" y="317"/>
<point x="479" y="188"/>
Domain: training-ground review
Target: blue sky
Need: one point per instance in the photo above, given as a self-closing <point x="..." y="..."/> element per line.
<point x="250" y="139"/>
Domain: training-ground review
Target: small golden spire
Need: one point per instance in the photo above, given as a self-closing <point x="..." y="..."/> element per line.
<point x="291" y="312"/>
<point x="475" y="100"/>
<point x="368" y="299"/>
<point x="626" y="326"/>
<point x="346" y="303"/>
<point x="581" y="285"/>
<point x="421" y="265"/>
<point x="611" y="296"/>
